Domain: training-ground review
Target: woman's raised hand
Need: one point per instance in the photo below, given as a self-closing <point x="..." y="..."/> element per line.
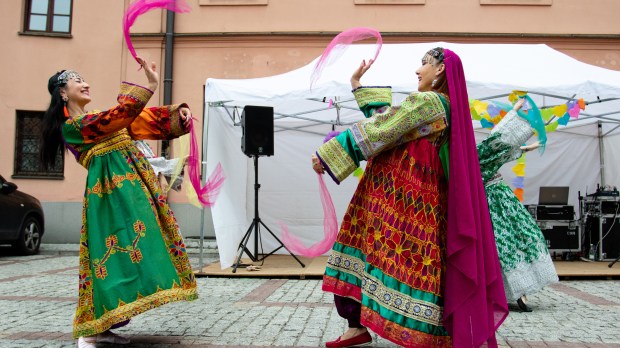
<point x="316" y="165"/>
<point x="359" y="72"/>
<point x="186" y="116"/>
<point x="518" y="104"/>
<point x="150" y="72"/>
<point x="530" y="147"/>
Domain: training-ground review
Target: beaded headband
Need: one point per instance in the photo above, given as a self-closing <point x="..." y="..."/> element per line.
<point x="67" y="75"/>
<point x="435" y="54"/>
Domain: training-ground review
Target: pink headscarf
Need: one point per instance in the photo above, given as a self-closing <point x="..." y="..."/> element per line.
<point x="475" y="302"/>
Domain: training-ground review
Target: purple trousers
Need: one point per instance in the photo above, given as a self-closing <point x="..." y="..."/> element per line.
<point x="121" y="324"/>
<point x="349" y="309"/>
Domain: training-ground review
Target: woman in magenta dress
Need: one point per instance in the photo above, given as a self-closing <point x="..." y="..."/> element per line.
<point x="415" y="259"/>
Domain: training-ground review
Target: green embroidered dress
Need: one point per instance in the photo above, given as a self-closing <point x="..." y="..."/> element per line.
<point x="132" y="256"/>
<point x="526" y="264"/>
<point x="391" y="245"/>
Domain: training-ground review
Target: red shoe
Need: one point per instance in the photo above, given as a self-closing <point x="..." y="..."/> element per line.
<point x="351" y="342"/>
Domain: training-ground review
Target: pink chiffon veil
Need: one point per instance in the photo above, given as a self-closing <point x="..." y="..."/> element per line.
<point x="207" y="193"/>
<point x="339" y="44"/>
<point x="330" y="222"/>
<point x="330" y="228"/>
<point x="139" y="7"/>
<point x="475" y="301"/>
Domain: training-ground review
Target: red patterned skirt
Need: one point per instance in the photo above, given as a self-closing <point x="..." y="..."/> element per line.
<point x="390" y="251"/>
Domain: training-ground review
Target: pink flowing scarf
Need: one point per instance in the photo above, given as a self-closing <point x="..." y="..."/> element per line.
<point x="330" y="222"/>
<point x="475" y="302"/>
<point x="338" y="45"/>
<point x="330" y="228"/>
<point x="139" y="7"/>
<point x="207" y="193"/>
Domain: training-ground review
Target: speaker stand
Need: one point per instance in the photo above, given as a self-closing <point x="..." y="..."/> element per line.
<point x="255" y="227"/>
<point x="612" y="263"/>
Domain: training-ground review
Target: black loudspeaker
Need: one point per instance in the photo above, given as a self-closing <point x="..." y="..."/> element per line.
<point x="257" y="126"/>
<point x="611" y="235"/>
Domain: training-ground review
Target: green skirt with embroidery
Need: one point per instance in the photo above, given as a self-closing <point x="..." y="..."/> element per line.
<point x="132" y="256"/>
<point x="526" y="264"/>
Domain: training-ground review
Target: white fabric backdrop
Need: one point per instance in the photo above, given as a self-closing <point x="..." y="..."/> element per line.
<point x="289" y="190"/>
<point x="289" y="187"/>
<point x="611" y="145"/>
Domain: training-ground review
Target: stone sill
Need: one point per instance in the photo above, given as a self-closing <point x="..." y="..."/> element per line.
<point x="517" y="2"/>
<point x="389" y="2"/>
<point x="233" y="2"/>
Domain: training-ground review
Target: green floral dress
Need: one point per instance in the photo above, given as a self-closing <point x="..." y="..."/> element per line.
<point x="526" y="264"/>
<point x="132" y="256"/>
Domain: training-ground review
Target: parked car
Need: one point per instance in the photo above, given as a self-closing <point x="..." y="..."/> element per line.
<point x="21" y="219"/>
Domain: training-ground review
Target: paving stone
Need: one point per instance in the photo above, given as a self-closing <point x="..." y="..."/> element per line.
<point x="38" y="296"/>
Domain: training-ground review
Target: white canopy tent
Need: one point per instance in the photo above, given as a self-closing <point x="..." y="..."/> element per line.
<point x="303" y="116"/>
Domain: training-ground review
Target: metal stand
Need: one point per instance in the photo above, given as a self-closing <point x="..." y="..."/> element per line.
<point x="600" y="234"/>
<point x="612" y="263"/>
<point x="582" y="223"/>
<point x="255" y="227"/>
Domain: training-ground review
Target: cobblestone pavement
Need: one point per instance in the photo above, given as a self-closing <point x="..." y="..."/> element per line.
<point x="38" y="295"/>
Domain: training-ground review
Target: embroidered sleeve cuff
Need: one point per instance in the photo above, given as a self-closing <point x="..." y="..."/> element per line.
<point x="138" y="93"/>
<point x="366" y="95"/>
<point x="336" y="160"/>
<point x="176" y="125"/>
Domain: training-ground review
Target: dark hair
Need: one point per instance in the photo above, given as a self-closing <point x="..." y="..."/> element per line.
<point x="441" y="85"/>
<point x="54" y="117"/>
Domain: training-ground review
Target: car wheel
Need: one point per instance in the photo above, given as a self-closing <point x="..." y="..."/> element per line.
<point x="29" y="237"/>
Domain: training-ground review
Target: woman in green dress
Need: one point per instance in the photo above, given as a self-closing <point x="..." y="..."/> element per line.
<point x="132" y="256"/>
<point x="526" y="264"/>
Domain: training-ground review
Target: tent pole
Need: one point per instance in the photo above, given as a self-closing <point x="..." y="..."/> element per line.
<point x="337" y="113"/>
<point x="203" y="167"/>
<point x="601" y="151"/>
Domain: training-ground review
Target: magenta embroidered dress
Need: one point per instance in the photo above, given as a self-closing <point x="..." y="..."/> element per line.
<point x="390" y="249"/>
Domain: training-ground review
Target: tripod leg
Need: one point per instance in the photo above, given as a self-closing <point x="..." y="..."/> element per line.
<point x="611" y="264"/>
<point x="243" y="247"/>
<point x="257" y="220"/>
<point x="281" y="244"/>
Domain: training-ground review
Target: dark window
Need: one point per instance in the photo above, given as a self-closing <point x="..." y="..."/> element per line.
<point x="27" y="148"/>
<point x="48" y="16"/>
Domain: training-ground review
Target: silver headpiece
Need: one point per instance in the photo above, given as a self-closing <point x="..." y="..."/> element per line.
<point x="68" y="75"/>
<point x="435" y="53"/>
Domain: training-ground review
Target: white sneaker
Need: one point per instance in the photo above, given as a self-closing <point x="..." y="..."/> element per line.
<point x="83" y="343"/>
<point x="104" y="337"/>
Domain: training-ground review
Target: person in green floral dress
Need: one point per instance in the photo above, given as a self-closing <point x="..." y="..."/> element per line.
<point x="132" y="256"/>
<point x="526" y="264"/>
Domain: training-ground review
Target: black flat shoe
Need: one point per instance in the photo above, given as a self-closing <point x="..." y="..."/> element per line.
<point x="523" y="307"/>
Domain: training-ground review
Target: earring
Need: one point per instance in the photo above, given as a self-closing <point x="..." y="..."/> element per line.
<point x="65" y="99"/>
<point x="434" y="83"/>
